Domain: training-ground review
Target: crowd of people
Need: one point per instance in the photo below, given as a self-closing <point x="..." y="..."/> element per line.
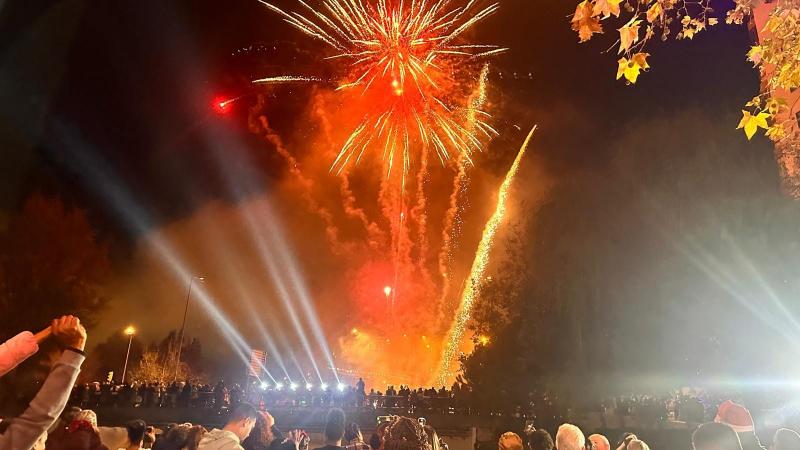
<point x="690" y="406"/>
<point x="285" y="395"/>
<point x="47" y="423"/>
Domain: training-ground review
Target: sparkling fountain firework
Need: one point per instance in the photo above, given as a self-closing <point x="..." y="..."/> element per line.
<point x="479" y="264"/>
<point x="411" y="67"/>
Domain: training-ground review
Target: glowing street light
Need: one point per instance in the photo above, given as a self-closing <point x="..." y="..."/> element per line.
<point x="130" y="331"/>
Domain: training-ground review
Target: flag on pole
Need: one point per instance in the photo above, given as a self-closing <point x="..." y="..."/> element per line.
<point x="258" y="359"/>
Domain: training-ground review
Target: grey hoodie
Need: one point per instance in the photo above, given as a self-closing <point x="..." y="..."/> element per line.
<point x="45" y="408"/>
<point x="219" y="440"/>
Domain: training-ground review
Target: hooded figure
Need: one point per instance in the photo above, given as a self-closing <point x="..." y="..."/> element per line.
<point x="220" y="440"/>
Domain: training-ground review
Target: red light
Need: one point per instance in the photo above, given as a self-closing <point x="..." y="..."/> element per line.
<point x="222" y="105"/>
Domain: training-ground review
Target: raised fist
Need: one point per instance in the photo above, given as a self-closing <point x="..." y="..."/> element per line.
<point x="69" y="331"/>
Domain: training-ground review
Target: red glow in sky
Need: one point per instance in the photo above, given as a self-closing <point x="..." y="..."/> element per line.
<point x="222" y="105"/>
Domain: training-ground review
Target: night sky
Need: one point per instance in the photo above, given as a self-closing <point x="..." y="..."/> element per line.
<point x="135" y="80"/>
<point x="128" y="86"/>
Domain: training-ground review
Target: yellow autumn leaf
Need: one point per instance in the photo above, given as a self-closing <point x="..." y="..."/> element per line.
<point x="584" y="23"/>
<point x="776" y="132"/>
<point x="630" y="68"/>
<point x="628" y="35"/>
<point x="606" y="8"/>
<point x="755" y="54"/>
<point x="752" y="123"/>
<point x="713" y="21"/>
<point x="654" y="12"/>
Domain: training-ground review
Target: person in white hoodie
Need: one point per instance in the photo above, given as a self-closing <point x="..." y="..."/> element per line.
<point x="240" y="424"/>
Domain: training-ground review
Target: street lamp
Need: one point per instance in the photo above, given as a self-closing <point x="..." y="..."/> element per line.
<point x="130" y="331"/>
<point x="183" y="325"/>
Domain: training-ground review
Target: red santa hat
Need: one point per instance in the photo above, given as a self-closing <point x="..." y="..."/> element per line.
<point x="735" y="416"/>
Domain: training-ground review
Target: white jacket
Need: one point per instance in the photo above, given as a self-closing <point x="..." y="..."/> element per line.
<point x="219" y="440"/>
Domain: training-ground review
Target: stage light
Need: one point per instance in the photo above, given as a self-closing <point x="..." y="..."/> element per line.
<point x="293" y="386"/>
<point x="340" y="386"/>
<point x="323" y="386"/>
<point x="264" y="386"/>
<point x="309" y="386"/>
<point x="279" y="386"/>
<point x="484" y="340"/>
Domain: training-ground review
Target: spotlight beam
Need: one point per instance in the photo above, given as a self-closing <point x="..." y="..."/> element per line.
<point x="241" y="187"/>
<point x="273" y="270"/>
<point x="234" y="274"/>
<point x="105" y="182"/>
<point x="301" y="292"/>
<point x="299" y="369"/>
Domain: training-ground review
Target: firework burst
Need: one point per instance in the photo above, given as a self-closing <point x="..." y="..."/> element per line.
<point x="407" y="60"/>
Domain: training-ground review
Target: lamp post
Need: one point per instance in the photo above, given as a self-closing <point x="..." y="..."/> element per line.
<point x="130" y="331"/>
<point x="183" y="325"/>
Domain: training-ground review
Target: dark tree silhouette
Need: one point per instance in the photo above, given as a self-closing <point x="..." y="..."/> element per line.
<point x="51" y="264"/>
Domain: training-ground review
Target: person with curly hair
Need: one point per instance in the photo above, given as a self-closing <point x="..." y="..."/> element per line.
<point x="406" y="434"/>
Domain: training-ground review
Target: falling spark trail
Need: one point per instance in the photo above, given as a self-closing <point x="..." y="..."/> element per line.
<point x="453" y="217"/>
<point x="419" y="214"/>
<point x="472" y="286"/>
<point x="452" y="231"/>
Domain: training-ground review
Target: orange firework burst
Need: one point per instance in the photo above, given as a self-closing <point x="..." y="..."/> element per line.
<point x="412" y="68"/>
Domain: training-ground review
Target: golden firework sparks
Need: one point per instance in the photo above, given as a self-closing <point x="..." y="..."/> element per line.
<point x="411" y="66"/>
<point x="479" y="264"/>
